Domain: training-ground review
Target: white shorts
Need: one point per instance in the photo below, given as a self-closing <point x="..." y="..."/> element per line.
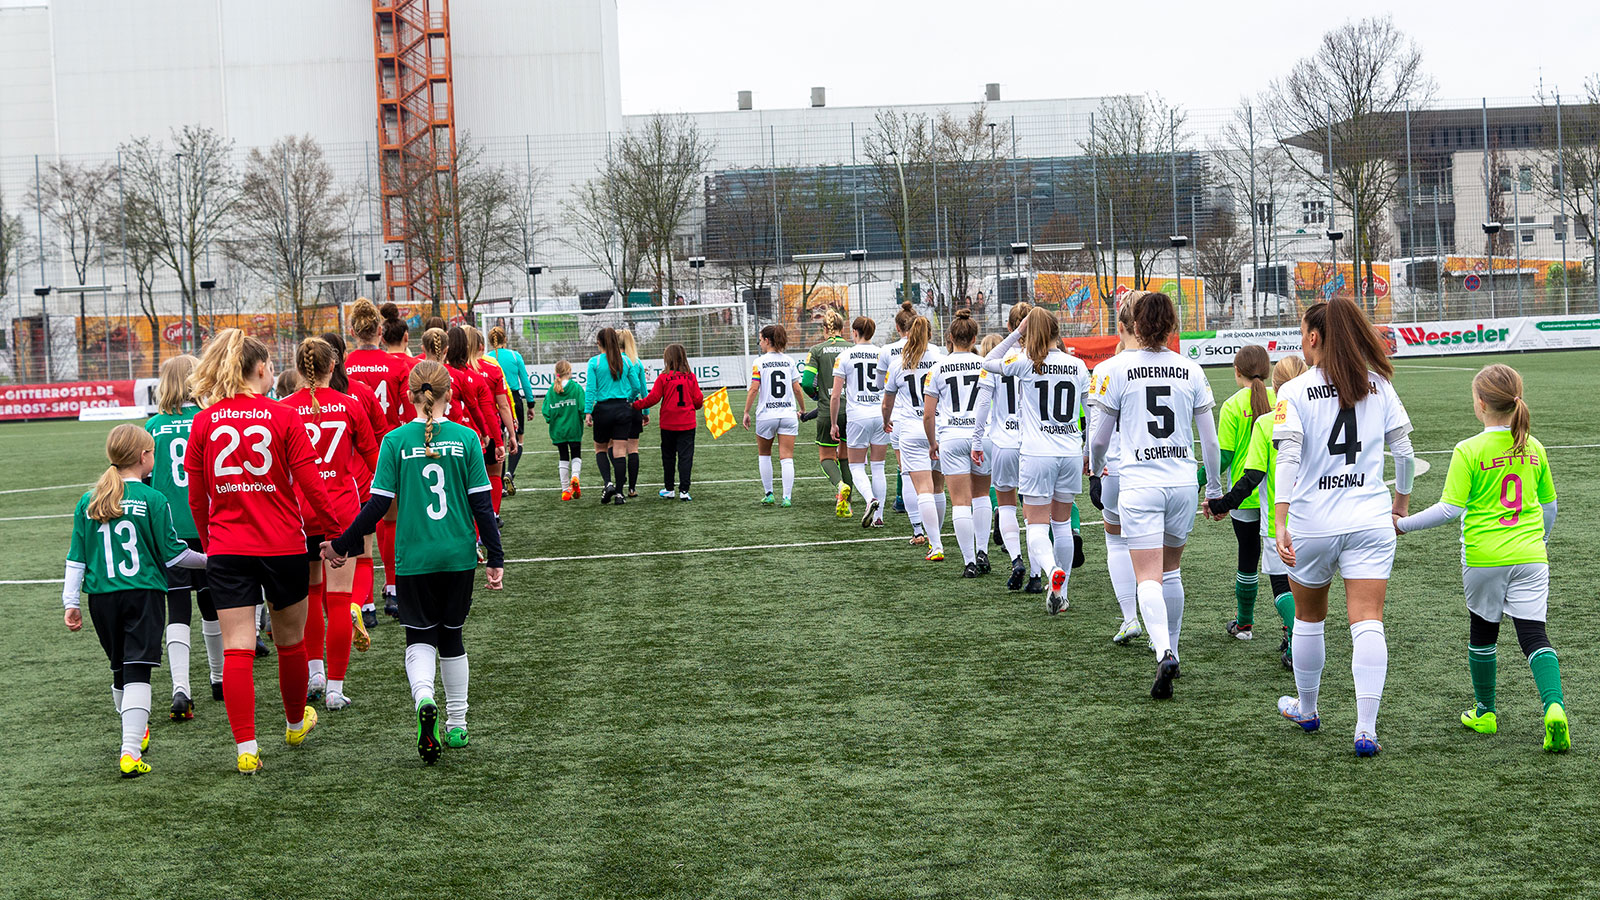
<point x="955" y="457"/>
<point x="1046" y="478"/>
<point x="1271" y="562"/>
<point x="769" y="428"/>
<point x="1110" y="486"/>
<point x="1153" y="517"/>
<point x="1365" y="554"/>
<point x="1521" y="591"/>
<point x="866" y="433"/>
<point x="1246" y="515"/>
<point x="913" y="450"/>
<point x="1004" y="465"/>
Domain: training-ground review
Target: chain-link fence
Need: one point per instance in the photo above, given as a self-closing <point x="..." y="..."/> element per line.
<point x="1452" y="210"/>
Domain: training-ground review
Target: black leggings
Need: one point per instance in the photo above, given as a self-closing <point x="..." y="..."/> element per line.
<point x="569" y="450"/>
<point x="514" y="458"/>
<point x="448" y="640"/>
<point x="1248" y="535"/>
<point x="178" y="611"/>
<point x="1280" y="585"/>
<point x="1530" y="633"/>
<point x="677" y="446"/>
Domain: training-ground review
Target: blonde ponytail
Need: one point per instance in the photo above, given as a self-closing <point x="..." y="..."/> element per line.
<point x="124" y="446"/>
<point x="1500" y="388"/>
<point x="917" y="336"/>
<point x="172" y="390"/>
<point x="226" y="366"/>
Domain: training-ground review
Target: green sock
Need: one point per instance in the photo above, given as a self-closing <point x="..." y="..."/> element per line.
<point x="1074" y="518"/>
<point x="1244" y="594"/>
<point x="1285" y="605"/>
<point x="830" y="467"/>
<point x="994" y="498"/>
<point x="1481" y="663"/>
<point x="1547" y="676"/>
<point x="897" y="492"/>
<point x="844" y="474"/>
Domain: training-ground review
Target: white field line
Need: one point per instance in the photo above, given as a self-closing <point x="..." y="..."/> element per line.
<point x="31" y="518"/>
<point x="53" y="487"/>
<point x="1440" y="368"/>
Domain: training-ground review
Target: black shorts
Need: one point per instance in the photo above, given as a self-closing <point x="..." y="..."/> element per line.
<point x="435" y="598"/>
<point x="181" y="579"/>
<point x="636" y="427"/>
<point x="520" y="409"/>
<point x="613" y="421"/>
<point x="825" y="436"/>
<point x="489" y="453"/>
<point x="243" y="581"/>
<point x="314" y="548"/>
<point x="131" y="626"/>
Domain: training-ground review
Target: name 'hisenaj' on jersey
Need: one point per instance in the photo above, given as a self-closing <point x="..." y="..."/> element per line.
<point x="1341" y="457"/>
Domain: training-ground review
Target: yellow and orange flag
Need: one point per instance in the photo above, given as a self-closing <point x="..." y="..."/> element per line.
<point x="719" y="414"/>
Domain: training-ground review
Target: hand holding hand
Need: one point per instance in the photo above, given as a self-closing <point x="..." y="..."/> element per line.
<point x="74" y="619"/>
<point x="330" y="555"/>
<point x="1286" y="547"/>
<point x="496" y="578"/>
<point x="1395" y="518"/>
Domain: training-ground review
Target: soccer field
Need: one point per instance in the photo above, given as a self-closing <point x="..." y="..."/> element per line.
<point x="718" y="699"/>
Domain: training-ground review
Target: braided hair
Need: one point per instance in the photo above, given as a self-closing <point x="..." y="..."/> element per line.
<point x="430" y="386"/>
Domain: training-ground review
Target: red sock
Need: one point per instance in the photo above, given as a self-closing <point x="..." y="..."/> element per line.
<point x="495" y="484"/>
<point x="362" y="594"/>
<point x="239" y="693"/>
<point x="339" y="630"/>
<point x="292" y="680"/>
<point x="316" y="628"/>
<point x="386" y="547"/>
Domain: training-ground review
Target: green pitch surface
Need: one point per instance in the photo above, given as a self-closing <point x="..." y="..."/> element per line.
<point x="799" y="713"/>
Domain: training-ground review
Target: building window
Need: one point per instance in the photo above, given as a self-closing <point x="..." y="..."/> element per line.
<point x="1264" y="212"/>
<point x="1503" y="176"/>
<point x="1313" y="212"/>
<point x="1558" y="223"/>
<point x="1525" y="179"/>
<point x="1526" y="231"/>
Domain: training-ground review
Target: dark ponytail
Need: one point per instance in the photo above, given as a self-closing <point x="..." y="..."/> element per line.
<point x="1253" y="364"/>
<point x="1154" y="318"/>
<point x="1350" y="348"/>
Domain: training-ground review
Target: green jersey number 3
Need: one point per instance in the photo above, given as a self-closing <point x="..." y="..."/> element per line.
<point x="435" y="475"/>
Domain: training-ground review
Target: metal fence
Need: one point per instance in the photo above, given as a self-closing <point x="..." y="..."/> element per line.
<point x="1451" y="210"/>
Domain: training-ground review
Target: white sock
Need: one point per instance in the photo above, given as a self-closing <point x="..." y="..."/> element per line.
<point x="880" y="487"/>
<point x="577" y="465"/>
<point x="335" y="686"/>
<point x="1369" y="663"/>
<point x="116" y="699"/>
<point x="858" y="474"/>
<point x="1120" y="565"/>
<point x="908" y="493"/>
<point x="1172" y="593"/>
<point x="964" y="536"/>
<point x="939" y="505"/>
<point x="247" y="747"/>
<point x="1310" y="654"/>
<point x="212" y="633"/>
<point x="765" y="463"/>
<point x="1010" y="535"/>
<point x="786" y="466"/>
<point x="454" y="669"/>
<point x="1041" y="553"/>
<point x="1153" y="606"/>
<point x="982" y="522"/>
<point x="565" y="468"/>
<point x="420" y="661"/>
<point x="315" y="667"/>
<point x="178" y="657"/>
<point x="1061" y="535"/>
<point x="135" y="716"/>
<point x="929" y="509"/>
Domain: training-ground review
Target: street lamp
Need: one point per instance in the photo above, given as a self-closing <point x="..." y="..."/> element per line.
<point x="1490" y="229"/>
<point x="1019" y="249"/>
<point x="206" y="284"/>
<point x="698" y="264"/>
<point x="905" y="241"/>
<point x="1179" y="241"/>
<point x="858" y="257"/>
<point x="533" y="271"/>
<point x="42" y="292"/>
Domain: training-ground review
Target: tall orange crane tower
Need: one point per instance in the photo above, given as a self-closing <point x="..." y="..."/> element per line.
<point x="417" y="149"/>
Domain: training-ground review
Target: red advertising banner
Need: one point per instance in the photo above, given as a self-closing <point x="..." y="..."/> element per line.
<point x="1094" y="350"/>
<point x="61" y="401"/>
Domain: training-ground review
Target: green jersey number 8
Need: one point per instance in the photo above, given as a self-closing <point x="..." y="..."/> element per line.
<point x="176" y="449"/>
<point x="435" y="474"/>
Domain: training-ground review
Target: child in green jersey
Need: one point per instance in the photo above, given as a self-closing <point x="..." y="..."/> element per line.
<point x="563" y="413"/>
<point x="175" y="410"/>
<point x="122" y="536"/>
<point x="1235" y="421"/>
<point x="432" y="471"/>
<point x="1255" y="480"/>
<point x="1499" y="486"/>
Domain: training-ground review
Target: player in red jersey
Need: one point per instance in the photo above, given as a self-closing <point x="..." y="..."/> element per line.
<point x="496" y="380"/>
<point x="463" y="409"/>
<point x="378" y="419"/>
<point x="397" y="342"/>
<point x="245" y="458"/>
<point x="345" y="447"/>
<point x="376" y="368"/>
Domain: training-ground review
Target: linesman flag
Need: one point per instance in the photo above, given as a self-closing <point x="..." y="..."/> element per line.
<point x="719" y="414"/>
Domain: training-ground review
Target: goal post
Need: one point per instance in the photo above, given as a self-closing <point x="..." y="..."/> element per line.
<point x="716" y="337"/>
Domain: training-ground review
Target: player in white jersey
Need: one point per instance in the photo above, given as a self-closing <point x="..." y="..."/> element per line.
<point x="855" y="379"/>
<point x="1104" y="485"/>
<point x="1156" y="403"/>
<point x="902" y="416"/>
<point x="1331" y="506"/>
<point x="950" y="423"/>
<point x="1002" y="449"/>
<point x="1051" y="386"/>
<point x="886" y="358"/>
<point x="775" y="392"/>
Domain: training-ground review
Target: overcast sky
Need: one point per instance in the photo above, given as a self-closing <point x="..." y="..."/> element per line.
<point x="695" y="55"/>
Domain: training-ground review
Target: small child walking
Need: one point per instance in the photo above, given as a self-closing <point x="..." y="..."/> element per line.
<point x="563" y="413"/>
<point x="122" y="536"/>
<point x="678" y="392"/>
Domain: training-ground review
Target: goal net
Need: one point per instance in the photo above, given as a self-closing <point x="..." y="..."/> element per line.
<point x="716" y="336"/>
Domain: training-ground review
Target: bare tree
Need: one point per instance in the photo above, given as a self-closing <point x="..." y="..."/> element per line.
<point x="899" y="172"/>
<point x="967" y="154"/>
<point x="181" y="199"/>
<point x="602" y="232"/>
<point x="428" y="199"/>
<point x="73" y="197"/>
<point x="1129" y="168"/>
<point x="137" y="242"/>
<point x="816" y="210"/>
<point x="494" y="216"/>
<point x="1354" y="90"/>
<point x="290" y="221"/>
<point x="657" y="170"/>
<point x="11" y="241"/>
<point x="741" y="226"/>
<point x="1568" y="169"/>
<point x="1221" y="249"/>
<point x="1253" y="174"/>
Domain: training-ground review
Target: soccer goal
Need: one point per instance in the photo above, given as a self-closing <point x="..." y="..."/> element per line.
<point x="716" y="336"/>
